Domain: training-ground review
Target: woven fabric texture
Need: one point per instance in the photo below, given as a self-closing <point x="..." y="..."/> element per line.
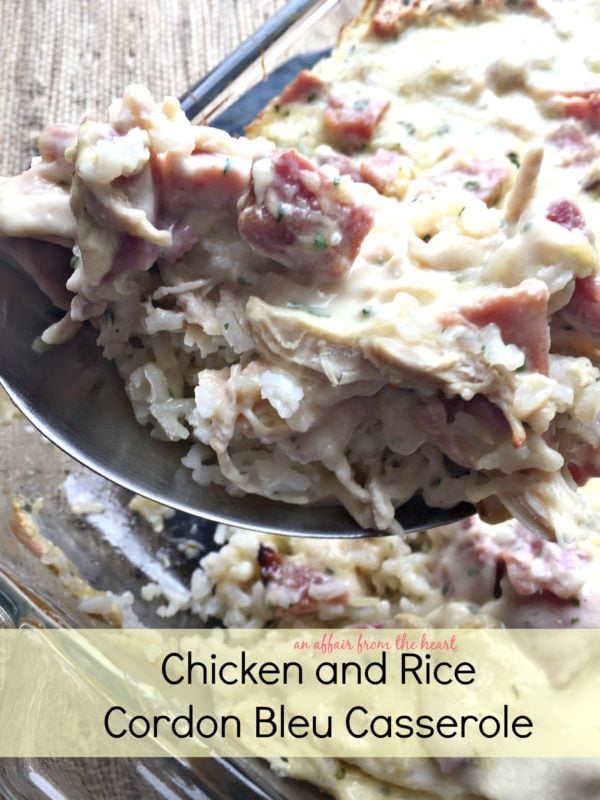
<point x="61" y="60"/>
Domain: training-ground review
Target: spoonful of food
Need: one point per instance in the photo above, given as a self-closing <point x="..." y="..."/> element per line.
<point x="76" y="398"/>
<point x="140" y="241"/>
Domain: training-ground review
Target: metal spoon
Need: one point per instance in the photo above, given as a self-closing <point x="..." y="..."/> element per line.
<point x="76" y="398"/>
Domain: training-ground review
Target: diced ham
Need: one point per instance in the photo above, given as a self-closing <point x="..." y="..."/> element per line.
<point x="295" y="214"/>
<point x="586" y="107"/>
<point x="574" y="144"/>
<point x="566" y="213"/>
<point x="133" y="255"/>
<point x="269" y="562"/>
<point x="305" y="86"/>
<point x="203" y="181"/>
<point x="583" y="309"/>
<point x="393" y="15"/>
<point x="351" y="120"/>
<point x="345" y="165"/>
<point x="299" y="579"/>
<point x="585" y="463"/>
<point x="521" y="313"/>
<point x="382" y="170"/>
<point x="535" y="565"/>
<point x="485" y="178"/>
<point x="439" y="416"/>
<point x="184" y="239"/>
<point x="477" y="561"/>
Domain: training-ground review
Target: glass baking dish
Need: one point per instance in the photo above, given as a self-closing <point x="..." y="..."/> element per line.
<point x="88" y="519"/>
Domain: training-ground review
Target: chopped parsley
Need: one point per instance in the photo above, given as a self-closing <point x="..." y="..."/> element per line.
<point x="336" y="181"/>
<point x="472" y="186"/>
<point x="227" y="166"/>
<point x="73" y="261"/>
<point x="443" y="129"/>
<point x="340" y="774"/>
<point x="225" y="326"/>
<point x="312" y="97"/>
<point x="320" y="242"/>
<point x="27" y="507"/>
<point x="522" y="368"/>
<point x="514" y="159"/>
<point x="109" y="314"/>
<point x="473" y="608"/>
<point x="445" y="589"/>
<point x="367" y="311"/>
<point x="329" y="571"/>
<point x="360" y="105"/>
<point x="575" y="602"/>
<point x="385" y="791"/>
<point x="280" y="213"/>
<point x="408" y="127"/>
<point x="243" y="281"/>
<point x="574" y="620"/>
<point x="474" y="571"/>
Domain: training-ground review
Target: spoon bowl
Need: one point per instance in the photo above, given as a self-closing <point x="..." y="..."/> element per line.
<point x="76" y="398"/>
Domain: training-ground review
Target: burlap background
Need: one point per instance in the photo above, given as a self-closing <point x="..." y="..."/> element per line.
<point x="60" y="59"/>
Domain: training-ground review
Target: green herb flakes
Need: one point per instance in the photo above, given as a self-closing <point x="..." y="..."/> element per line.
<point x="473" y="571"/>
<point x="320" y="242"/>
<point x="514" y="159"/>
<point x="227" y="167"/>
<point x="340" y="773"/>
<point x="472" y="186"/>
<point x="408" y="127"/>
